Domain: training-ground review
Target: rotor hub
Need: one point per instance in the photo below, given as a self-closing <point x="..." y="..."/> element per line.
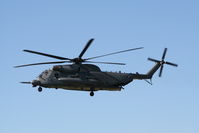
<point x="162" y="62"/>
<point x="78" y="60"/>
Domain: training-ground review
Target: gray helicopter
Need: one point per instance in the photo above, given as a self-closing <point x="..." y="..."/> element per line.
<point x="88" y="77"/>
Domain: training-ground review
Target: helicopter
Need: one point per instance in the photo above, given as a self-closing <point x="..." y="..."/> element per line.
<point x="83" y="75"/>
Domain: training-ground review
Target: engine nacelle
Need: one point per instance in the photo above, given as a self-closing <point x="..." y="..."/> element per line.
<point x="65" y="68"/>
<point x="58" y="68"/>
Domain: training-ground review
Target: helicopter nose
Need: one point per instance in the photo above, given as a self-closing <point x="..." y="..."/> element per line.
<point x="36" y="83"/>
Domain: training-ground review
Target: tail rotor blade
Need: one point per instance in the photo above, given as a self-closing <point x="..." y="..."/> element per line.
<point x="172" y="64"/>
<point x="154" y="60"/>
<point x="161" y="69"/>
<point x="165" y="51"/>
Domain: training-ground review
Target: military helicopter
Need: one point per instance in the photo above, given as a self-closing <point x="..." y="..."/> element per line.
<point x="89" y="77"/>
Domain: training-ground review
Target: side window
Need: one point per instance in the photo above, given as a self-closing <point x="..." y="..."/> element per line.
<point x="56" y="75"/>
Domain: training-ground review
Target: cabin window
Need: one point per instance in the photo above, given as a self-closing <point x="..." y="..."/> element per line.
<point x="56" y="75"/>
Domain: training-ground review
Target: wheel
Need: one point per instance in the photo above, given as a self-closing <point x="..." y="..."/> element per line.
<point x="91" y="93"/>
<point x="40" y="89"/>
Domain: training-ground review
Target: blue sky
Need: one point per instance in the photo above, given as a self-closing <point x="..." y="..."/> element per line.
<point x="63" y="27"/>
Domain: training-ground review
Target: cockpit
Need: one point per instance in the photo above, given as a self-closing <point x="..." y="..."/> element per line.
<point x="45" y="74"/>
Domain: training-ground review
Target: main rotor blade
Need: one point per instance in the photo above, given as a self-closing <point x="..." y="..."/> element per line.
<point x="86" y="47"/>
<point x="48" y="55"/>
<point x="154" y="60"/>
<point x="172" y="64"/>
<point x="42" y="63"/>
<point x="114" y="53"/>
<point x="161" y="69"/>
<point x="106" y="63"/>
<point x="165" y="51"/>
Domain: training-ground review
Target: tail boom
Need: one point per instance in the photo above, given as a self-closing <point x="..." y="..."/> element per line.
<point x="149" y="75"/>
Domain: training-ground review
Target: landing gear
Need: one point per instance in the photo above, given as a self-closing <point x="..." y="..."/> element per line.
<point x="91" y="93"/>
<point x="40" y="89"/>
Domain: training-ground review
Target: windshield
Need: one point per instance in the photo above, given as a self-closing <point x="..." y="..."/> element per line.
<point x="44" y="74"/>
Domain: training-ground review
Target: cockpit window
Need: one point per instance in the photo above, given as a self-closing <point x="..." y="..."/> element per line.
<point x="44" y="74"/>
<point x="40" y="76"/>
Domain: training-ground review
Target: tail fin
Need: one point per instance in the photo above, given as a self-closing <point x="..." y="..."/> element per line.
<point x="159" y="64"/>
<point x="153" y="70"/>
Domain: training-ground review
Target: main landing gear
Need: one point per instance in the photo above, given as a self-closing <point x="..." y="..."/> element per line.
<point x="39" y="89"/>
<point x="91" y="93"/>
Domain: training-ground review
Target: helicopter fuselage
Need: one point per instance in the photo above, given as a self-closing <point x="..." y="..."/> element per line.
<point x="85" y="77"/>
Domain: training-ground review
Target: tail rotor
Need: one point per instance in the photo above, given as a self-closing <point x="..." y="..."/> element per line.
<point x="162" y="62"/>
